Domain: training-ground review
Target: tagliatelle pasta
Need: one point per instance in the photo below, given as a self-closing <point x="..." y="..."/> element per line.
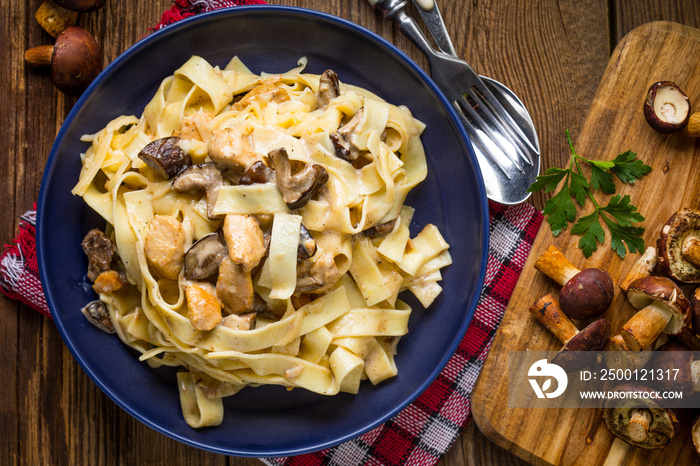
<point x="257" y="233"/>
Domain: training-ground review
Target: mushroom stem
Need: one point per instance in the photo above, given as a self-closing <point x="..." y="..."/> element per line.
<point x="645" y="326"/>
<point x="638" y="426"/>
<point x="547" y="311"/>
<point x="690" y="250"/>
<point x="642" y="268"/>
<point x="557" y="267"/>
<point x="39" y="57"/>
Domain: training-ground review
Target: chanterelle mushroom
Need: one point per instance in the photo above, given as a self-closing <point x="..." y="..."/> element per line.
<point x="678" y="247"/>
<point x="202" y="176"/>
<point x="165" y="157"/>
<point x="299" y="188"/>
<point x="662" y="308"/>
<point x="203" y="258"/>
<point x="595" y="337"/>
<point x="638" y="420"/>
<point x="586" y="293"/>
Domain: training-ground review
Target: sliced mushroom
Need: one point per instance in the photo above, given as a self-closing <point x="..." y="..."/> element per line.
<point x="258" y="173"/>
<point x="586" y="293"/>
<point x="99" y="250"/>
<point x="678" y="247"/>
<point x="97" y="314"/>
<point x="240" y="321"/>
<point x="343" y="139"/>
<point x="203" y="258"/>
<point x="164" y="246"/>
<point x="318" y="276"/>
<point x="328" y="88"/>
<point x="662" y="308"/>
<point x="244" y="239"/>
<point x="297" y="189"/>
<point x="381" y="229"/>
<point x="637" y="419"/>
<point x="307" y="244"/>
<point x="165" y="157"/>
<point x="203" y="306"/>
<point x="202" y="176"/>
<point x="234" y="287"/>
<point x="595" y="337"/>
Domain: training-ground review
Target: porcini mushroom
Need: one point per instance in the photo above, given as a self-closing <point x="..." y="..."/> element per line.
<point x="97" y="314"/>
<point x="197" y="177"/>
<point x="203" y="258"/>
<point x="258" y="173"/>
<point x="81" y="5"/>
<point x="307" y="244"/>
<point x="662" y="308"/>
<point x="695" y="435"/>
<point x="643" y="267"/>
<point x="637" y="419"/>
<point x="678" y="247"/>
<point x="684" y="370"/>
<point x="595" y="337"/>
<point x="165" y="157"/>
<point x="75" y="60"/>
<point x="666" y="107"/>
<point x="586" y="293"/>
<point x="54" y="19"/>
<point x="299" y="188"/>
<point x="99" y="250"/>
<point x="619" y="356"/>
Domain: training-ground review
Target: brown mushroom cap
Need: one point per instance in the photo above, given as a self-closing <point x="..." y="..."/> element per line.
<point x="595" y="337"/>
<point x="695" y="434"/>
<point x="672" y="262"/>
<point x="76" y="60"/>
<point x="695" y="309"/>
<point x="662" y="422"/>
<point x="80" y="5"/>
<point x="588" y="294"/>
<point x="675" y="356"/>
<point x="647" y="290"/>
<point x="297" y="189"/>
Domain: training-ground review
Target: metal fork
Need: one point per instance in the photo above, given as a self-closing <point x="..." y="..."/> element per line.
<point x="508" y="158"/>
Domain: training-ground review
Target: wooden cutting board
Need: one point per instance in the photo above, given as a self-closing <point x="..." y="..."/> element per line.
<point x="653" y="52"/>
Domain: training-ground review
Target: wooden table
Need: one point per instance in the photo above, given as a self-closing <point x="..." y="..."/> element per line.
<point x="551" y="53"/>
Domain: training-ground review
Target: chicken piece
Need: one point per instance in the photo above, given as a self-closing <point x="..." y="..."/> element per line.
<point x="239" y="321"/>
<point x="108" y="282"/>
<point x="196" y="126"/>
<point x="165" y="246"/>
<point x="203" y="307"/>
<point x="229" y="149"/>
<point x="244" y="239"/>
<point x="234" y="287"/>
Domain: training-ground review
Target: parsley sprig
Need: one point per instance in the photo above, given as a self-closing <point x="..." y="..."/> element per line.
<point x="619" y="215"/>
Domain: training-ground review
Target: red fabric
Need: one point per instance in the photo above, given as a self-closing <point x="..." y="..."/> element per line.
<point x="424" y="430"/>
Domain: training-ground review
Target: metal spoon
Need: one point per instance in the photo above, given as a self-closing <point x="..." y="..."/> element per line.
<point x="505" y="179"/>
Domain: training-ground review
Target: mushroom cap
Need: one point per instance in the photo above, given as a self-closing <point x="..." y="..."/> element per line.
<point x="684" y="223"/>
<point x="80" y="5"/>
<point x="203" y="258"/>
<point x="695" y="434"/>
<point x="674" y="355"/>
<point x="666" y="107"/>
<point x="664" y="291"/>
<point x="595" y="337"/>
<point x="695" y="309"/>
<point x="76" y="60"/>
<point x="587" y="294"/>
<point x="617" y="412"/>
<point x="165" y="157"/>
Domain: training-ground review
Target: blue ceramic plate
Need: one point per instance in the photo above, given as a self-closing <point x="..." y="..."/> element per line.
<point x="268" y="421"/>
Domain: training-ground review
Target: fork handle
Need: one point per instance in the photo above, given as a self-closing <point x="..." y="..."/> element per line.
<point x="394" y="10"/>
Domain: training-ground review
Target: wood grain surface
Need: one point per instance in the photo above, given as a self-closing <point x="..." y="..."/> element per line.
<point x="551" y="53"/>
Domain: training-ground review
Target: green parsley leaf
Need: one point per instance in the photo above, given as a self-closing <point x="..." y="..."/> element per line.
<point x="619" y="215"/>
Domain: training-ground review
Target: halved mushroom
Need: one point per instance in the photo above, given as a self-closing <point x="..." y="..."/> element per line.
<point x="381" y="229"/>
<point x="595" y="337"/>
<point x="299" y="188"/>
<point x="201" y="176"/>
<point x="678" y="247"/>
<point x="343" y="139"/>
<point x="165" y="157"/>
<point x="662" y="308"/>
<point x="99" y="250"/>
<point x="328" y="88"/>
<point x="666" y="107"/>
<point x="586" y="293"/>
<point x="258" y="173"/>
<point x="97" y="314"/>
<point x="637" y="419"/>
<point x="203" y="258"/>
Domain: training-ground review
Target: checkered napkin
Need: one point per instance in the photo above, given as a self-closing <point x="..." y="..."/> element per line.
<point x="423" y="432"/>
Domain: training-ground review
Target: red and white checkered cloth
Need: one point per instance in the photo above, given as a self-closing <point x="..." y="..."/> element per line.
<point x="423" y="432"/>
